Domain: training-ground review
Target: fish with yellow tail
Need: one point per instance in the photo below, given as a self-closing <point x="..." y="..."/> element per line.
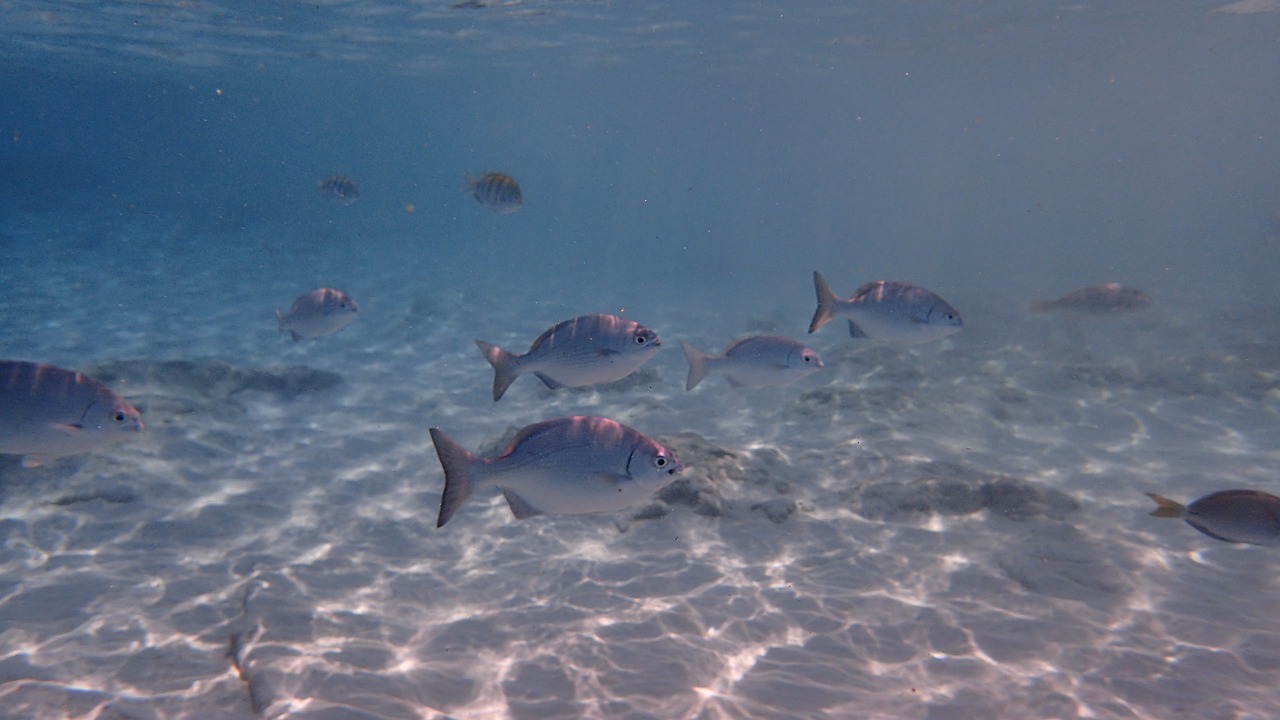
<point x="1236" y="516"/>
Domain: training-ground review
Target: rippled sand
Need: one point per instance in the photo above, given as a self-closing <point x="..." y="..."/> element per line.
<point x="952" y="531"/>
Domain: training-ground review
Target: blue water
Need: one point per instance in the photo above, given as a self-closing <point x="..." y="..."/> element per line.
<point x="689" y="165"/>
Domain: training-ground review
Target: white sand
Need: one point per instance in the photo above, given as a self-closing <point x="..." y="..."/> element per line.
<point x="969" y="538"/>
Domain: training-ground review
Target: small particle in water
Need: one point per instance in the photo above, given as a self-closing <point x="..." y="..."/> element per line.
<point x="1105" y="299"/>
<point x="896" y="312"/>
<point x="340" y="189"/>
<point x="754" y="362"/>
<point x="586" y="350"/>
<point x="573" y="465"/>
<point x="322" y="311"/>
<point x="50" y="412"/>
<point x="1236" y="516"/>
<point x="498" y="191"/>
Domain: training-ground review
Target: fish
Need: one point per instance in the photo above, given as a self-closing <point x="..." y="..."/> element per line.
<point x="1105" y="299"/>
<point x="47" y="412"/>
<point x="573" y="465"/>
<point x="896" y="312"/>
<point x="340" y="189"/>
<point x="322" y="311"/>
<point x="498" y="191"/>
<point x="754" y="362"/>
<point x="1236" y="516"/>
<point x="586" y="350"/>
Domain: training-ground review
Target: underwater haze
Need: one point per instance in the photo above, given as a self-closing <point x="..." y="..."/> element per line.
<point x="953" y="529"/>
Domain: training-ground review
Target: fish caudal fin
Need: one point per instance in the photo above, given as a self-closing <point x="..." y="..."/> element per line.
<point x="826" y="302"/>
<point x="458" y="486"/>
<point x="697" y="365"/>
<point x="506" y="367"/>
<point x="1167" y="508"/>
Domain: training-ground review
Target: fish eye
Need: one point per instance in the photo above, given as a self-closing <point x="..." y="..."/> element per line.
<point x="640" y="339"/>
<point x="660" y="461"/>
<point x="120" y="416"/>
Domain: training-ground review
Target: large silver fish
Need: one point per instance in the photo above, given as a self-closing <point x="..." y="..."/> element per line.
<point x="571" y="465"/>
<point x="896" y="312"/>
<point x="322" y="311"/>
<point x="47" y="412"/>
<point x="754" y="362"/>
<point x="1105" y="299"/>
<point x="1236" y="516"/>
<point x="583" y="351"/>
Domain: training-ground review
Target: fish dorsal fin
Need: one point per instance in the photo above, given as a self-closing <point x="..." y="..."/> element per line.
<point x="865" y="290"/>
<point x="544" y="338"/>
<point x="519" y="506"/>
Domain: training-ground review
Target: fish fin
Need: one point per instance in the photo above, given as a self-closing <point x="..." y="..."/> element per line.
<point x="1041" y="306"/>
<point x="826" y="302"/>
<point x="506" y="367"/>
<point x="551" y="382"/>
<point x="280" y="321"/>
<point x="607" y="352"/>
<point x="456" y="462"/>
<point x="697" y="365"/>
<point x="296" y="337"/>
<point x="855" y="331"/>
<point x="1167" y="508"/>
<point x="32" y="461"/>
<point x="734" y="382"/>
<point x="519" y="506"/>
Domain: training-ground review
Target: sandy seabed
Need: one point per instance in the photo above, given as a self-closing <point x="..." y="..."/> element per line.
<point x="956" y="530"/>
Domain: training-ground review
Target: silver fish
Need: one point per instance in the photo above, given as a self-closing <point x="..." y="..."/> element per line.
<point x="47" y="412"/>
<point x="895" y="312"/>
<point x="340" y="189"/>
<point x="754" y="362"/>
<point x="1236" y="516"/>
<point x="322" y="311"/>
<point x="1106" y="299"/>
<point x="586" y="350"/>
<point x="571" y="465"/>
<point x="501" y="193"/>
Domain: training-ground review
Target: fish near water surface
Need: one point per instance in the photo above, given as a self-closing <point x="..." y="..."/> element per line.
<point x="47" y="412"/>
<point x="586" y="350"/>
<point x="322" y="311"/>
<point x="572" y="465"/>
<point x="754" y="362"/>
<point x="339" y="189"/>
<point x="1105" y="299"/>
<point x="1235" y="516"/>
<point x="896" y="312"/>
<point x="499" y="192"/>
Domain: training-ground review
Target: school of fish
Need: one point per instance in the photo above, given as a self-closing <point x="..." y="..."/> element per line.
<point x="586" y="464"/>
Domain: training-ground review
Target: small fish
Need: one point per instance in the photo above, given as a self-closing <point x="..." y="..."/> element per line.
<point x="1236" y="516"/>
<point x="754" y="362"/>
<point x="322" y="311"/>
<point x="586" y="350"/>
<point x="896" y="312"/>
<point x="47" y="412"/>
<point x="500" y="192"/>
<point x="340" y="189"/>
<point x="1106" y="299"/>
<point x="571" y="465"/>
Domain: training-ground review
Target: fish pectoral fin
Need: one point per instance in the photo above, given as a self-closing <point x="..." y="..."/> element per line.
<point x="608" y="352"/>
<point x="549" y="381"/>
<point x="67" y="428"/>
<point x="31" y="461"/>
<point x="613" y="481"/>
<point x="519" y="506"/>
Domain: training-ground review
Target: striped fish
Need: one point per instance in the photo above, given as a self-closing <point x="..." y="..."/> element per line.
<point x="498" y="191"/>
<point x="754" y="362"/>
<point x="570" y="465"/>
<point x="47" y="412"/>
<point x="895" y="312"/>
<point x="322" y="311"/>
<point x="339" y="188"/>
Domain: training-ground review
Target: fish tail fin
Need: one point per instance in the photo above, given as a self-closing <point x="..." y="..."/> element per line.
<point x="456" y="462"/>
<point x="1040" y="306"/>
<point x="1167" y="508"/>
<point x="506" y="367"/>
<point x="826" y="302"/>
<point x="697" y="365"/>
